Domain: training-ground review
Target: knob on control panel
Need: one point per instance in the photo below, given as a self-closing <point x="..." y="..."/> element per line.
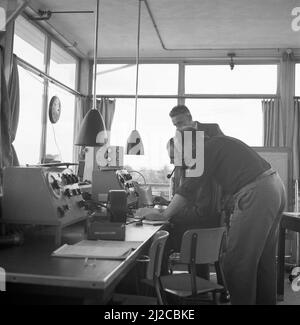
<point x="54" y="182"/>
<point x="81" y="204"/>
<point x="67" y="192"/>
<point x="61" y="212"/>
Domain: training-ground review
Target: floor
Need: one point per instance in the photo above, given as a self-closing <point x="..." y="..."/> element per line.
<point x="290" y="297"/>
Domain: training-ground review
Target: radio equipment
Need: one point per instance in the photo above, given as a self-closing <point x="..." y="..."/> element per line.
<point x="105" y="180"/>
<point x="42" y="196"/>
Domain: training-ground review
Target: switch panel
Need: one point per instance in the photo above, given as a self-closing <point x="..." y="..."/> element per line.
<point x="42" y="195"/>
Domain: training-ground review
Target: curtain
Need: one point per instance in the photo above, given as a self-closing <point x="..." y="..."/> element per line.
<point x="6" y="156"/>
<point x="296" y="138"/>
<point x="9" y="113"/>
<point x="107" y="107"/>
<point x="272" y="120"/>
<point x="14" y="97"/>
<point x="286" y="92"/>
<point x="82" y="105"/>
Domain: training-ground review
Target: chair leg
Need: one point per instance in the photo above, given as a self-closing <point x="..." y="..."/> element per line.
<point x="225" y="296"/>
<point x="215" y="300"/>
<point x="163" y="294"/>
<point x="158" y="292"/>
<point x="137" y="284"/>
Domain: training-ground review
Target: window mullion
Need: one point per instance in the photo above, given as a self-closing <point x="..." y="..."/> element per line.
<point x="45" y="100"/>
<point x="181" y="80"/>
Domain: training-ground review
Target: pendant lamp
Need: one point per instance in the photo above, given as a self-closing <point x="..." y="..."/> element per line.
<point x="92" y="132"/>
<point x="134" y="141"/>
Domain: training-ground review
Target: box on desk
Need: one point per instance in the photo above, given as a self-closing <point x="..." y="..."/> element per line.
<point x="106" y="230"/>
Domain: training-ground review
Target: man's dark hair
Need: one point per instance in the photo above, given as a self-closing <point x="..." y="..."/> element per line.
<point x="179" y="109"/>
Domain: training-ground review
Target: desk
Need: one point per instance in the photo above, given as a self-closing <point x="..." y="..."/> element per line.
<point x="30" y="269"/>
<point x="291" y="223"/>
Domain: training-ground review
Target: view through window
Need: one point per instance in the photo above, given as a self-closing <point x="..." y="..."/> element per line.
<point x="60" y="135"/>
<point x="29" y="45"/>
<point x="237" y="116"/>
<point x="220" y="79"/>
<point x="27" y="142"/>
<point x="153" y="120"/>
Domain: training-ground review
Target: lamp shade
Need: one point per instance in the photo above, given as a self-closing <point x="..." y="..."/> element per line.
<point x="134" y="144"/>
<point x="90" y="128"/>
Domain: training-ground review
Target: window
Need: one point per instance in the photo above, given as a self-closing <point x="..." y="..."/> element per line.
<point x="155" y="128"/>
<point x="62" y="66"/>
<point x="27" y="142"/>
<point x="239" y="118"/>
<point x="153" y="121"/>
<point x="29" y="43"/>
<point x="60" y="135"/>
<point x="297" y="83"/>
<point x="154" y="79"/>
<point x="219" y="79"/>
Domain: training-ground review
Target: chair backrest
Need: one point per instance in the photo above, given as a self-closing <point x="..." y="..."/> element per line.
<point x="156" y="254"/>
<point x="201" y="244"/>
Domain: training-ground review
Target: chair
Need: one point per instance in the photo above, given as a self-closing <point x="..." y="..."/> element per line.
<point x="154" y="260"/>
<point x="198" y="246"/>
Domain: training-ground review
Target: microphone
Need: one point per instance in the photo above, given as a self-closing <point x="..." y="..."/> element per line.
<point x="170" y="175"/>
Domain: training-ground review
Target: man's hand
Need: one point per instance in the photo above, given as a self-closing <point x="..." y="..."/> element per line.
<point x="155" y="216"/>
<point x="149" y="214"/>
<point x="160" y="200"/>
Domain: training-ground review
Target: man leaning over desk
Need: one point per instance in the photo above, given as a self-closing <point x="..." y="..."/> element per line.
<point x="203" y="207"/>
<point x="259" y="199"/>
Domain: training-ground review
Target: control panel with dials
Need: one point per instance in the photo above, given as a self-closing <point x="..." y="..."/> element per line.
<point x="106" y="180"/>
<point x="42" y="196"/>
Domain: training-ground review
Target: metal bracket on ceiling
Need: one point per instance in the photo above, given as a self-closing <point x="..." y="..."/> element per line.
<point x="47" y="14"/>
<point x="231" y="63"/>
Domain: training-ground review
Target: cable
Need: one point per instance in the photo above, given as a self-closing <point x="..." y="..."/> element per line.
<point x="60" y="156"/>
<point x="135" y="171"/>
<point x="170" y="175"/>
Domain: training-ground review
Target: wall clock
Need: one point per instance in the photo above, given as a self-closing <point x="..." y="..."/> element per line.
<point x="54" y="109"/>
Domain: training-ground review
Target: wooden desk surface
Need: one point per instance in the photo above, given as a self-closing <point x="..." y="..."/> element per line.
<point x="33" y="264"/>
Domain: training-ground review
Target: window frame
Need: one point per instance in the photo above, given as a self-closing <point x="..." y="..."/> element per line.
<point x="44" y="74"/>
<point x="296" y="96"/>
<point x="238" y="96"/>
<point x="181" y="95"/>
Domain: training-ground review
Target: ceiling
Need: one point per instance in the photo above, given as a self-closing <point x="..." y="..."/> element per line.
<point x="189" y="28"/>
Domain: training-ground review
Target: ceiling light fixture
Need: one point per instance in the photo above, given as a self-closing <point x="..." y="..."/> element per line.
<point x="92" y="131"/>
<point x="134" y="141"/>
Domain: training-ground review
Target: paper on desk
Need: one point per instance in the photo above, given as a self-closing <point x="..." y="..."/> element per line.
<point x="101" y="249"/>
<point x="143" y="212"/>
<point x="291" y="214"/>
<point x="154" y="222"/>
